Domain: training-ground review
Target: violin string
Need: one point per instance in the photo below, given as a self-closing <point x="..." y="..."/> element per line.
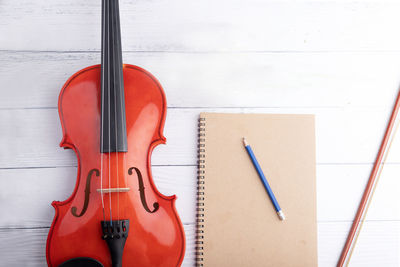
<point x="102" y="125"/>
<point x="109" y="115"/>
<point x="122" y="82"/>
<point x="115" y="60"/>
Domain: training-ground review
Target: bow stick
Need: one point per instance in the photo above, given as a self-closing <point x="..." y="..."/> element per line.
<point x="370" y="188"/>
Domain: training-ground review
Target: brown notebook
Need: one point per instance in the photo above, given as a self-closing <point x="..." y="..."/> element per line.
<point x="237" y="223"/>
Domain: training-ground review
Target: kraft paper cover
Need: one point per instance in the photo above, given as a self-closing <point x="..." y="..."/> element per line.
<point x="241" y="227"/>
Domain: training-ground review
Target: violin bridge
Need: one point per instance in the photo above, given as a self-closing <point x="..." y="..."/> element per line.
<point x="113" y="190"/>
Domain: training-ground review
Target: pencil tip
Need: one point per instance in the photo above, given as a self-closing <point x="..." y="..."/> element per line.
<point x="245" y="142"/>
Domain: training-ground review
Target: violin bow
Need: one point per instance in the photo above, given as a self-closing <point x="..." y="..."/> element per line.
<point x="371" y="185"/>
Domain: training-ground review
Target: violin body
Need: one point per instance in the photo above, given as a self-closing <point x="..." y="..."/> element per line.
<point x="156" y="236"/>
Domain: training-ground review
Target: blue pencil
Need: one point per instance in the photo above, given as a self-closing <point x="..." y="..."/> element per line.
<point x="264" y="180"/>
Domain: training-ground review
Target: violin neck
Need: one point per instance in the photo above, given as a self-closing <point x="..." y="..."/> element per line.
<point x="113" y="121"/>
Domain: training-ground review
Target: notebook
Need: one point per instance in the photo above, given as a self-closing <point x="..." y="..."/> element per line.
<point x="237" y="224"/>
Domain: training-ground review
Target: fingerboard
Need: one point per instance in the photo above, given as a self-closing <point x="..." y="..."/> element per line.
<point x="113" y="121"/>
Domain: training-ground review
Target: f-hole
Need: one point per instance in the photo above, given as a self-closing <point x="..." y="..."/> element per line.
<point x="141" y="190"/>
<point x="87" y="193"/>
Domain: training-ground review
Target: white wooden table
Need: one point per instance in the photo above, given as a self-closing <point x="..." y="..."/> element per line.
<point x="338" y="60"/>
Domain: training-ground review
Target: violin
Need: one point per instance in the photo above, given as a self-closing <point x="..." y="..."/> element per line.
<point x="112" y="117"/>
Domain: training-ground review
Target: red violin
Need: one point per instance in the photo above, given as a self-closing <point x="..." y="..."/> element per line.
<point x="112" y="116"/>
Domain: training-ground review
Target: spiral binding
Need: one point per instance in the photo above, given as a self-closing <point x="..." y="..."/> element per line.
<point x="200" y="192"/>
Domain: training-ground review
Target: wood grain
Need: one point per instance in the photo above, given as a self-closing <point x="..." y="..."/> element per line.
<point x="223" y="25"/>
<point x="340" y="79"/>
<point x="43" y="185"/>
<point x="31" y="243"/>
<point x="48" y="184"/>
<point x="380" y="249"/>
<point x="342" y="135"/>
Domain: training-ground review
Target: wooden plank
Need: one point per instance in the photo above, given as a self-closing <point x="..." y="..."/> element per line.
<point x="378" y="240"/>
<point x="377" y="246"/>
<point x="340" y="187"/>
<point x="225" y="25"/>
<point x="30" y="137"/>
<point x="29" y="192"/>
<point x="26" y="247"/>
<point x="31" y="241"/>
<point x="219" y="79"/>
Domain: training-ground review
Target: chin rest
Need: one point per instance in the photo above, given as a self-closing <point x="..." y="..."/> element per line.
<point x="81" y="262"/>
